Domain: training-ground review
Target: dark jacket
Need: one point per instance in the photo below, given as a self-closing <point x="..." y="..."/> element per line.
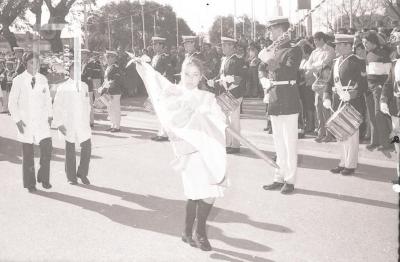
<point x="113" y="76"/>
<point x="236" y="67"/>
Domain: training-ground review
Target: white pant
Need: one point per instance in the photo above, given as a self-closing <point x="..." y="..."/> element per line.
<point x="349" y="156"/>
<point x="396" y="124"/>
<point x="233" y="122"/>
<point x="285" y="139"/>
<point x="96" y="84"/>
<point x="114" y="111"/>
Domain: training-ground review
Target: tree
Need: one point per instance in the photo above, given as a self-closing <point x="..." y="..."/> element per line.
<point x="243" y="27"/>
<point x="57" y="16"/>
<point x="9" y="11"/>
<point x="117" y="17"/>
<point x="392" y="8"/>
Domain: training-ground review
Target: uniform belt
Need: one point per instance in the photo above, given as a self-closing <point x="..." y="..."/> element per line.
<point x="286" y="82"/>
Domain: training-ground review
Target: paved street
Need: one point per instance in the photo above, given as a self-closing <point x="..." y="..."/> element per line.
<point x="134" y="209"/>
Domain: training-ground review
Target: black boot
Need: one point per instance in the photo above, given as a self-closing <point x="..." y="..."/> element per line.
<point x="189" y="221"/>
<point x="203" y="210"/>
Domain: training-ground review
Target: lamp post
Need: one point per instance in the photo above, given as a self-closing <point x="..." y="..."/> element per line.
<point x="142" y="2"/>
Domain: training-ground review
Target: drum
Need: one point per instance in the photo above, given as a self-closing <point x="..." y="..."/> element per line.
<point x="228" y="102"/>
<point x="344" y="122"/>
<point x="102" y="101"/>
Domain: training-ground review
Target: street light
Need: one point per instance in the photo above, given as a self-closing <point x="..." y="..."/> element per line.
<point x="142" y="2"/>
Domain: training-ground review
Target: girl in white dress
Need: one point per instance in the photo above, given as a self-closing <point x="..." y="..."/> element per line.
<point x="196" y="127"/>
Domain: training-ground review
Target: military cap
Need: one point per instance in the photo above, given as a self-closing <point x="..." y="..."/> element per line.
<point x="188" y="38"/>
<point x="227" y="40"/>
<point x="109" y="52"/>
<point x="343" y="38"/>
<point x="156" y="39"/>
<point x="17" y="48"/>
<point x="277" y="21"/>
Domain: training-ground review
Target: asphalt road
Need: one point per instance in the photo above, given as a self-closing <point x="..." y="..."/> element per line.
<point x="134" y="209"/>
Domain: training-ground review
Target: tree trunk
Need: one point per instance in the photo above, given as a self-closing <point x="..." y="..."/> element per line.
<point x="56" y="43"/>
<point x="9" y="36"/>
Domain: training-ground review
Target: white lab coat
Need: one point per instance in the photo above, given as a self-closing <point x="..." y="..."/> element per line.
<point x="72" y="109"/>
<point x="32" y="106"/>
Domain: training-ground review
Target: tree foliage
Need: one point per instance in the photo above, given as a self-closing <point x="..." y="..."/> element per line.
<point x="117" y="17"/>
<point x="9" y="11"/>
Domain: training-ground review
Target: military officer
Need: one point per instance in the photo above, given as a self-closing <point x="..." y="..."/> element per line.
<point x="20" y="64"/>
<point x="346" y="84"/>
<point x="390" y="99"/>
<point x="231" y="76"/>
<point x="283" y="63"/>
<point x="114" y="87"/>
<point x="87" y="77"/>
<point x="161" y="62"/>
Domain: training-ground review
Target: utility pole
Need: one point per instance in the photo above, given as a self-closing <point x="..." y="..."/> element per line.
<point x="85" y="24"/>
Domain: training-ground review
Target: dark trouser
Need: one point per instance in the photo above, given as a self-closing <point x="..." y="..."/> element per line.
<point x="70" y="160"/>
<point x="323" y="115"/>
<point x="380" y="123"/>
<point x="28" y="162"/>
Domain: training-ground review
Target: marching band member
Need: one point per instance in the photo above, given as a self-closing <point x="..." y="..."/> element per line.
<point x="114" y="87"/>
<point x="3" y="86"/>
<point x="87" y="77"/>
<point x="71" y="116"/>
<point x="196" y="126"/>
<point x="346" y="84"/>
<point x="20" y="63"/>
<point x="390" y="99"/>
<point x="30" y="108"/>
<point x="378" y="67"/>
<point x="284" y="103"/>
<point x="161" y="62"/>
<point x="231" y="76"/>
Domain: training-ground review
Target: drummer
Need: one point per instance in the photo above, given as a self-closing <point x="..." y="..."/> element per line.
<point x="346" y="84"/>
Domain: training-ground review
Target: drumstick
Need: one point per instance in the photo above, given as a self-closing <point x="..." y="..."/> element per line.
<point x="254" y="149"/>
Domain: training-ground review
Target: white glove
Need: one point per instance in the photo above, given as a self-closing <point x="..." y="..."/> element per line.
<point x="229" y="79"/>
<point x="211" y="83"/>
<point x="345" y="96"/>
<point x="385" y="108"/>
<point x="327" y="103"/>
<point x="266" y="83"/>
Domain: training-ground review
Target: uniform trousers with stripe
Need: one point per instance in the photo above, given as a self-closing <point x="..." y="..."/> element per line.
<point x="285" y="140"/>
<point x="233" y="122"/>
<point x="349" y="155"/>
<point x="114" y="111"/>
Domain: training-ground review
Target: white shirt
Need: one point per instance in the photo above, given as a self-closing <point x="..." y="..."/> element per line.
<point x="320" y="57"/>
<point x="32" y="106"/>
<point x="72" y="110"/>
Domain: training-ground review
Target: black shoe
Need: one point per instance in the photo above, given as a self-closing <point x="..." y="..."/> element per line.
<point x="202" y="243"/>
<point x="328" y="139"/>
<point x="91" y="125"/>
<point x="228" y="149"/>
<point x="347" y="171"/>
<point x="287" y="188"/>
<point x="109" y="129"/>
<point x="188" y="239"/>
<point x="273" y="186"/>
<point x="337" y="170"/>
<point x="74" y="182"/>
<point x="301" y="135"/>
<point x="84" y="180"/>
<point x="115" y="130"/>
<point x="32" y="189"/>
<point x="46" y="185"/>
<point x="233" y="150"/>
<point x="160" y="138"/>
<point x="372" y="147"/>
<point x="319" y="139"/>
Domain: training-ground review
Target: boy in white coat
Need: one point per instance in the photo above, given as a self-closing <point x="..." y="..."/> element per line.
<point x="30" y="108"/>
<point x="72" y="118"/>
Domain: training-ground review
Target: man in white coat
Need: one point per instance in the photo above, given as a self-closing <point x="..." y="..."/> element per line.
<point x="72" y="118"/>
<point x="30" y="108"/>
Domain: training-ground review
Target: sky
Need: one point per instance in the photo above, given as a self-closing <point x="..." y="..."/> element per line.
<point x="200" y="16"/>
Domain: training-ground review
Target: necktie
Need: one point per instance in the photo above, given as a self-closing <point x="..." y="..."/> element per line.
<point x="33" y="82"/>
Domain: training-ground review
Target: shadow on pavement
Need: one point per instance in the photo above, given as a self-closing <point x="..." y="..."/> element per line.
<point x="11" y="151"/>
<point x="368" y="172"/>
<point x="166" y="216"/>
<point x="138" y="133"/>
<point x="352" y="199"/>
<point x="225" y="255"/>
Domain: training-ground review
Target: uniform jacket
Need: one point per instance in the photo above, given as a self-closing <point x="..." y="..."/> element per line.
<point x="378" y="65"/>
<point x="285" y="99"/>
<point x="114" y="79"/>
<point x="162" y="63"/>
<point x="32" y="106"/>
<point x="72" y="109"/>
<point x="391" y="89"/>
<point x="346" y="70"/>
<point x="236" y="67"/>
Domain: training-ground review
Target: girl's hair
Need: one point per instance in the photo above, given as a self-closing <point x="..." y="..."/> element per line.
<point x="193" y="61"/>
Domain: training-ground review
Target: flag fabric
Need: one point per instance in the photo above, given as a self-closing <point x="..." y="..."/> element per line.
<point x="190" y="115"/>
